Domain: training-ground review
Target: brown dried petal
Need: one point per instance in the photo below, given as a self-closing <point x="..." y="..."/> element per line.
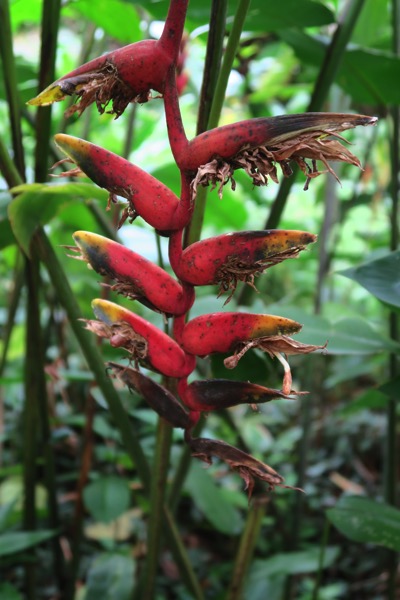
<point x="248" y="467"/>
<point x="260" y="162"/>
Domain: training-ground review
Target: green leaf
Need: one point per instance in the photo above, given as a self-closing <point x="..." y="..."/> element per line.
<point x="365" y="74"/>
<point x="107" y="498"/>
<point x="111" y="576"/>
<point x="9" y="592"/>
<point x="75" y="189"/>
<point x="16" y="541"/>
<point x="346" y="336"/>
<point x="211" y="501"/>
<point x="381" y="277"/>
<point x="269" y="16"/>
<point x="38" y="203"/>
<point x="118" y="19"/>
<point x="370" y="400"/>
<point x="267" y="575"/>
<point x="262" y="15"/>
<point x="30" y="210"/>
<point x="364" y="520"/>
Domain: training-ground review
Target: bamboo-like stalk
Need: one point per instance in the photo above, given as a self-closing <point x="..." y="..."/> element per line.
<point x="10" y="83"/>
<point x="246" y="548"/>
<point x="33" y="381"/>
<point x="156" y="517"/>
<point x="194" y="229"/>
<point x="391" y="449"/>
<point x="48" y="50"/>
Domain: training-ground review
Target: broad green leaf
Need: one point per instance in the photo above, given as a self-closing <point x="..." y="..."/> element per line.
<point x="262" y="15"/>
<point x="381" y="277"/>
<point x="79" y="189"/>
<point x="211" y="502"/>
<point x="364" y="520"/>
<point x="16" y="541"/>
<point x="107" y="498"/>
<point x="370" y="400"/>
<point x="118" y="19"/>
<point x="267" y="576"/>
<point x="24" y="12"/>
<point x="38" y="203"/>
<point x="9" y="592"/>
<point x="7" y="237"/>
<point x="346" y="336"/>
<point x="110" y="577"/>
<point x="367" y="75"/>
<point x="293" y="563"/>
<point x="28" y="211"/>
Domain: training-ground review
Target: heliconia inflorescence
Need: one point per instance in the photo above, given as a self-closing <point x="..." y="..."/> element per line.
<point x="257" y="146"/>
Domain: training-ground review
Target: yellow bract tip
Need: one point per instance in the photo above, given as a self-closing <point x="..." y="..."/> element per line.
<point x="51" y="94"/>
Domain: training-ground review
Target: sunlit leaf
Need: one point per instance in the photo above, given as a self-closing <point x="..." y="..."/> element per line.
<point x="364" y="520"/>
<point x="30" y="210"/>
<point x="118" y="19"/>
<point x="381" y="277"/>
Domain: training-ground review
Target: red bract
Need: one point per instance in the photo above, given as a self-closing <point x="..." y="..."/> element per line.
<point x="257" y="145"/>
<point x="214" y="394"/>
<point x="147" y="197"/>
<point x="240" y="256"/>
<point x="135" y="276"/>
<point x="126" y="75"/>
<point x="144" y="342"/>
<point x="222" y="332"/>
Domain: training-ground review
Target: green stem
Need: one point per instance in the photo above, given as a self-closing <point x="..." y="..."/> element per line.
<point x="246" y="548"/>
<point x="391" y="450"/>
<point x="324" y="543"/>
<point x="50" y="24"/>
<point x="13" y="302"/>
<point x="157" y="497"/>
<point x="180" y="556"/>
<point x="33" y="389"/>
<point x="11" y="85"/>
<point x="194" y="230"/>
<point x="212" y="63"/>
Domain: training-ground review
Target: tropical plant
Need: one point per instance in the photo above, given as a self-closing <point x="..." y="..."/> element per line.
<point x="175" y="321"/>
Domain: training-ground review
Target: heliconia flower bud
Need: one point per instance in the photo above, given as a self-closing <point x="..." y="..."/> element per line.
<point x="214" y="394"/>
<point x="144" y="342"/>
<point x="249" y="468"/>
<point x="135" y="276"/>
<point x="126" y="75"/>
<point x="240" y="256"/>
<point x="159" y="399"/>
<point x="223" y="332"/>
<point x="147" y="197"/>
<point x="256" y="145"/>
<point x="121" y="76"/>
